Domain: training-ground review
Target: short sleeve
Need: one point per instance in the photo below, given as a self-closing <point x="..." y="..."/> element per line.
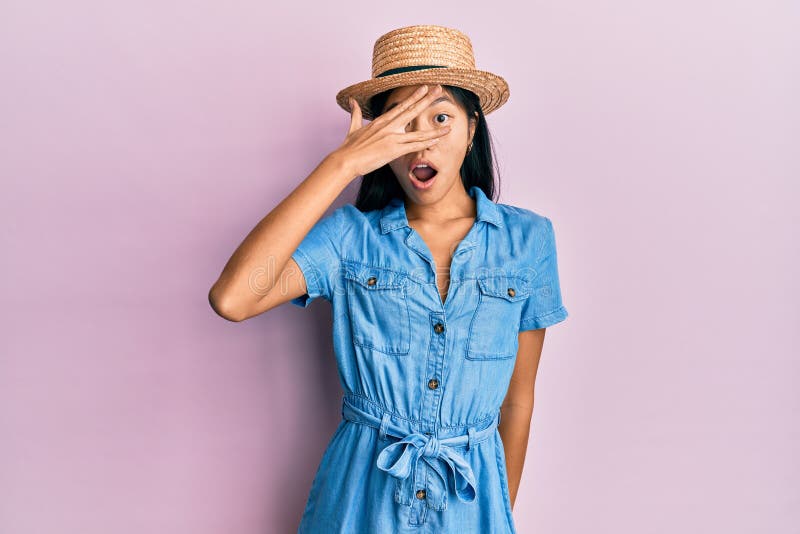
<point x="544" y="306"/>
<point x="318" y="256"/>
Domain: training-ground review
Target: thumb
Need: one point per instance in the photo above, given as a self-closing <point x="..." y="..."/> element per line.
<point x="355" y="115"/>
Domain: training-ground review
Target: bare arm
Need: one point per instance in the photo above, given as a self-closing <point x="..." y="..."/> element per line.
<point x="517" y="408"/>
<point x="264" y="257"/>
<point x="261" y="273"/>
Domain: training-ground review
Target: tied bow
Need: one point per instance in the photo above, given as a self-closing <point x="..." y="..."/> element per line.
<point x="399" y="459"/>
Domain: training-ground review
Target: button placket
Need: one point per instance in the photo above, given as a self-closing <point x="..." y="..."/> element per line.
<point x="435" y="365"/>
<point x="419" y="508"/>
<point x="422" y="498"/>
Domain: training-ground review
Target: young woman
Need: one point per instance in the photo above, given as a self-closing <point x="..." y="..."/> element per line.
<point x="441" y="297"/>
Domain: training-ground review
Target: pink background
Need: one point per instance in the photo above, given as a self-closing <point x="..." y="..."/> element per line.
<point x="141" y="142"/>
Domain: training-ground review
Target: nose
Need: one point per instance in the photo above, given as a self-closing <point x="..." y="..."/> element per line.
<point x="415" y="124"/>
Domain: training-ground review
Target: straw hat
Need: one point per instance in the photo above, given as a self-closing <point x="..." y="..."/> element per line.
<point x="425" y="54"/>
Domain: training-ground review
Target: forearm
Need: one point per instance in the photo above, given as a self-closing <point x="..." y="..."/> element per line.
<point x="514" y="428"/>
<point x="268" y="247"/>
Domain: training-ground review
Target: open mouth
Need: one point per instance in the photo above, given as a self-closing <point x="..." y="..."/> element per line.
<point x="423" y="174"/>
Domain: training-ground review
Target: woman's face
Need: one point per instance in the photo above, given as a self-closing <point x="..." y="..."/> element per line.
<point x="446" y="156"/>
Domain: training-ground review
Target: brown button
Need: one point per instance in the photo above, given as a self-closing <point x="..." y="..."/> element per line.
<point x="433" y="383"/>
<point x="372" y="281"/>
<point x="420" y="494"/>
<point x="511" y="292"/>
<point x="438" y="328"/>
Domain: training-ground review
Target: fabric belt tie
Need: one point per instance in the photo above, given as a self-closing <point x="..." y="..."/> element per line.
<point x="399" y="459"/>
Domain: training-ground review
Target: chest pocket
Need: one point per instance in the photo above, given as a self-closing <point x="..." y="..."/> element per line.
<point x="379" y="316"/>
<point x="495" y="322"/>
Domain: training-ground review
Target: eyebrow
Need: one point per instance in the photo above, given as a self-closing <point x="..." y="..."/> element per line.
<point x="443" y="98"/>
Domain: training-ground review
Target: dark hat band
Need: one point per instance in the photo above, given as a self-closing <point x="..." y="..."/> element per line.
<point x="407" y="69"/>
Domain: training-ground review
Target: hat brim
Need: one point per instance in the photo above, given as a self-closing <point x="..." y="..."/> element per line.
<point x="491" y="89"/>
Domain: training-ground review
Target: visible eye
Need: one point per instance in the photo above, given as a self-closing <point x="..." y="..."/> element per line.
<point x="436" y="117"/>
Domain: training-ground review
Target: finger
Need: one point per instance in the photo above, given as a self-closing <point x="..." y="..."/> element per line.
<point x="416" y="107"/>
<point x="355" y="115"/>
<point x="420" y="145"/>
<point x="404" y="104"/>
<point x="424" y="135"/>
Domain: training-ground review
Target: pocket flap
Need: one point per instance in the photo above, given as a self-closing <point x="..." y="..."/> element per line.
<point x="511" y="288"/>
<point x="373" y="277"/>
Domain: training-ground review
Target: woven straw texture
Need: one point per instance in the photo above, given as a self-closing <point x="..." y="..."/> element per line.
<point x="449" y="58"/>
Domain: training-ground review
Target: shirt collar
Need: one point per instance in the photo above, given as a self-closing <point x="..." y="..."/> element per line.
<point x="393" y="215"/>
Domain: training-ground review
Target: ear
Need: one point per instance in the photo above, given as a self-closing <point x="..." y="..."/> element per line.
<point x="473" y="123"/>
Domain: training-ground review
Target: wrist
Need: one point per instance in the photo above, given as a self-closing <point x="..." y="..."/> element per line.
<point x="341" y="165"/>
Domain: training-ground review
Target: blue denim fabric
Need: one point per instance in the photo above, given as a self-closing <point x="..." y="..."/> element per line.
<point x="417" y="449"/>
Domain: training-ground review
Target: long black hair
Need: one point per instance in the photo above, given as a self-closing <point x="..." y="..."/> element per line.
<point x="478" y="168"/>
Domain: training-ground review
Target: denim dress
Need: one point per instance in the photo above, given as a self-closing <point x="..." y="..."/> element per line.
<point x="417" y="449"/>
